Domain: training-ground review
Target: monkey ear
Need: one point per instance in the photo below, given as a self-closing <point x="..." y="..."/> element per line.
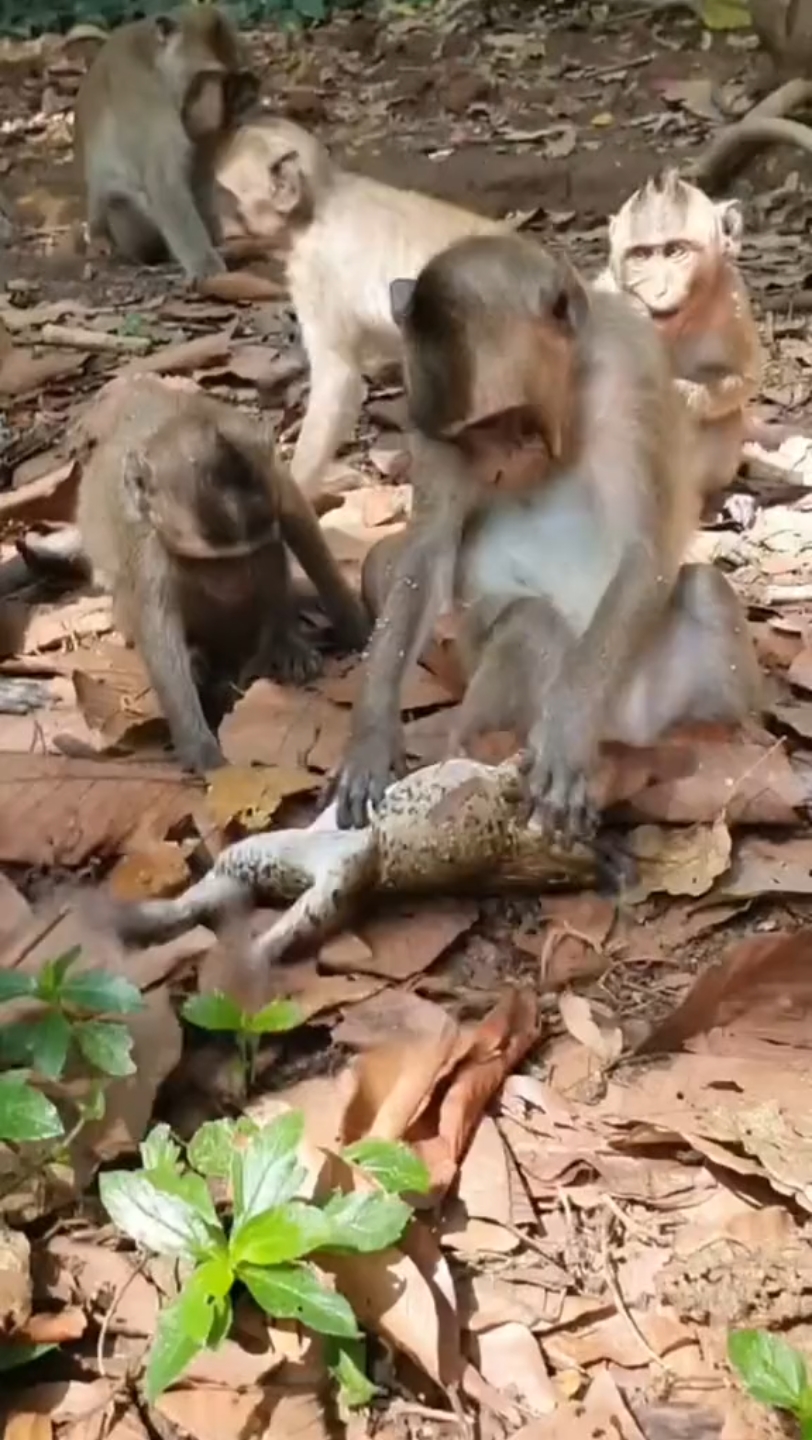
<point x="731" y="219"/>
<point x="400" y="299"/>
<point x="287" y="183"/>
<point x="165" y="25"/>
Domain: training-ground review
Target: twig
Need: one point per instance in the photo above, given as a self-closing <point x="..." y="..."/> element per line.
<point x="111" y="1310"/>
<point x="77" y="338"/>
<point x="426" y="1412"/>
<point x="622" y="1307"/>
<point x="787" y="594"/>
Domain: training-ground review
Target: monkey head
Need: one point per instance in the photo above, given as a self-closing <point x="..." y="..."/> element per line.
<point x="490" y="329"/>
<point x="200" y="58"/>
<point x="668" y="240"/>
<point x="203" y="488"/>
<point x="269" y="176"/>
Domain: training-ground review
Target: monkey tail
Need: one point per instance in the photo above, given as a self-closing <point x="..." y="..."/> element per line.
<point x="146" y="922"/>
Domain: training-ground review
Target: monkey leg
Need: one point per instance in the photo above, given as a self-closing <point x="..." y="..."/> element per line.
<point x="378" y="572"/>
<point x="333" y="407"/>
<point x="180" y="222"/>
<point x="132" y="233"/>
<point x="700" y="664"/>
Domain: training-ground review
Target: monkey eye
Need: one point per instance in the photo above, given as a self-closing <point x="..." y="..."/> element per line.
<point x="674" y="249"/>
<point x="640" y="252"/>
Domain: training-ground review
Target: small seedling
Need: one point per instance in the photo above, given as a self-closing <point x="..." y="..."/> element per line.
<point x="774" y="1373"/>
<point x="70" y="1004"/>
<point x="218" y="1012"/>
<point x="270" y="1243"/>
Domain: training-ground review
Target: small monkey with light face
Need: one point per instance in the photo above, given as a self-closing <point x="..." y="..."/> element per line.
<point x="555" y="496"/>
<point x="347" y="238"/>
<point x="158" y="96"/>
<point x="673" y="251"/>
<point x="185" y="515"/>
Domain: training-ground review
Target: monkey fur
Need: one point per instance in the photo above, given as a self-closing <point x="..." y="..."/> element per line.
<point x="555" y="496"/>
<point x="673" y="251"/>
<point x="346" y="237"/>
<point x="157" y="98"/>
<point x="186" y="516"/>
<point x="455" y="824"/>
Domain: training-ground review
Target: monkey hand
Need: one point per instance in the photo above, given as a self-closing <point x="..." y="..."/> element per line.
<point x="373" y="761"/>
<point x="202" y="755"/>
<point x="556" y="767"/>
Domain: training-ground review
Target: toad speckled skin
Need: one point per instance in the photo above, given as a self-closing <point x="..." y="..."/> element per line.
<point x="444" y="827"/>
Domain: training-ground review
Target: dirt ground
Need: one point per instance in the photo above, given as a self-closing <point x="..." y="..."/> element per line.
<point x="602" y="1219"/>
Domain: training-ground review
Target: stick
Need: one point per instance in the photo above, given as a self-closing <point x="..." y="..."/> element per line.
<point x="77" y="338"/>
<point x="787" y="594"/>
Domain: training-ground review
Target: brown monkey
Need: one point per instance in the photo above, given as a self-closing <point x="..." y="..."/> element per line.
<point x="156" y="99"/>
<point x="674" y="251"/>
<point x="185" y="515"/>
<point x="554" y="499"/>
<point x="347" y="237"/>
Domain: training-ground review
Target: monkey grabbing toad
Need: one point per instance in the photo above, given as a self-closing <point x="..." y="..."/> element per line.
<point x="556" y="490"/>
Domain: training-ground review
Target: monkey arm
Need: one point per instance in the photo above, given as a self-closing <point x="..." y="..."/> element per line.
<point x="175" y="213"/>
<point x="719" y="396"/>
<point x="164" y="649"/>
<point x="422" y="583"/>
<point x="302" y="532"/>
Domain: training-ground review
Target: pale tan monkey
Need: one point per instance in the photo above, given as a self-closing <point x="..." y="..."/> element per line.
<point x="347" y="238"/>
<point x="673" y="251"/>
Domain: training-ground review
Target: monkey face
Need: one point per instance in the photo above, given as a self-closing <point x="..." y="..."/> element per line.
<point x="665" y="240"/>
<point x="204" y="108"/>
<point x="491" y="329"/>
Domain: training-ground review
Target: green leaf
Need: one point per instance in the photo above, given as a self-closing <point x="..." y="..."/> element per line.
<point x="211" y="1148"/>
<point x="267" y="1172"/>
<point x="12" y="1356"/>
<point x="106" y="1045"/>
<point x="166" y="1224"/>
<point x="53" y="972"/>
<point x="49" y="1040"/>
<point x="196" y="1309"/>
<point x="221" y="1322"/>
<point x="216" y="1276"/>
<point x="26" y="1114"/>
<point x="281" y="1235"/>
<point x="394" y="1165"/>
<point x="724" y="14"/>
<point x="365" y="1223"/>
<point x="278" y="1016"/>
<point x="293" y="1292"/>
<point x="13" y="984"/>
<point x="806" y="1427"/>
<point x="159" y="1149"/>
<point x="347" y="1365"/>
<point x="771" y="1370"/>
<point x="214" y="1011"/>
<point x="172" y="1350"/>
<point x="92" y="1105"/>
<point x="189" y="1187"/>
<point x="103" y="993"/>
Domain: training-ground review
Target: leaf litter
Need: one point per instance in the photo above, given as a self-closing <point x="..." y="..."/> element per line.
<point x="612" y="1098"/>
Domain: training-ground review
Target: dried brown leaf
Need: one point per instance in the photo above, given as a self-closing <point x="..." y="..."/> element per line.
<point x="761" y="987"/>
<point x="207" y="1412"/>
<point x="509" y="1358"/>
<point x="768" y="867"/>
<point x="21" y="371"/>
<point x="280" y="726"/>
<point x="576" y="1012"/>
<point x="52" y="497"/>
<point x="252" y="794"/>
<point x="188" y="355"/>
<point x="688" y="780"/>
<point x="682" y="861"/>
<point x="156" y="870"/>
<point x="57" y="811"/>
<point x="483" y="1185"/>
<point x="404" y="941"/>
<point x="15" y="1279"/>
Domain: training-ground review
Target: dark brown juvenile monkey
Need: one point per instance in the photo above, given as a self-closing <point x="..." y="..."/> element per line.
<point x="554" y="499"/>
<point x="346" y="238"/>
<point x="674" y="251"/>
<point x="185" y="515"/>
<point x="157" y="98"/>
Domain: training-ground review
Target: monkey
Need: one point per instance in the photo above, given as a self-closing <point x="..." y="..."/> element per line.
<point x="184" y="515"/>
<point x="555" y="496"/>
<point x="155" y="101"/>
<point x="346" y="237"/>
<point x="673" y="251"/>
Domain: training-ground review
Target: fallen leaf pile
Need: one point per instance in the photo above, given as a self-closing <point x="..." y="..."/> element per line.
<point x="610" y="1093"/>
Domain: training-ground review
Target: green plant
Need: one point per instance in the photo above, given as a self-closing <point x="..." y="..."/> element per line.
<point x="70" y="1005"/>
<point x="270" y="1243"/>
<point x="774" y="1373"/>
<point x="216" y="1011"/>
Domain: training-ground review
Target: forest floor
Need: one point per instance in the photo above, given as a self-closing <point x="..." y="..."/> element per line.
<point x="602" y="1220"/>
